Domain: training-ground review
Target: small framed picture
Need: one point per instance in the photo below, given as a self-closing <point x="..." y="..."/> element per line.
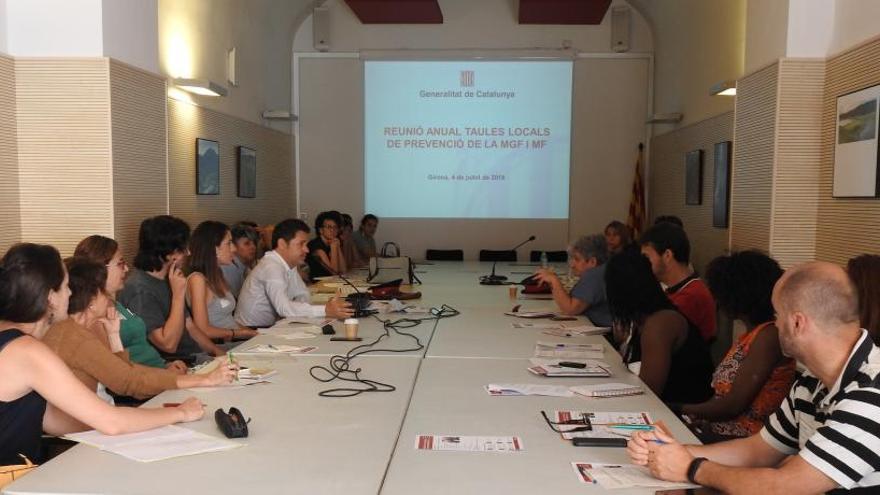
<point x="721" y="191"/>
<point x="856" y="161"/>
<point x="207" y="166"/>
<point x="693" y="190"/>
<point x="247" y="172"/>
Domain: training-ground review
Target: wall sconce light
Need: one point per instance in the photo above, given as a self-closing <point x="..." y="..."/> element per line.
<point x="723" y="88"/>
<point x="201" y="87"/>
<point x="665" y="118"/>
<point x="279" y="115"/>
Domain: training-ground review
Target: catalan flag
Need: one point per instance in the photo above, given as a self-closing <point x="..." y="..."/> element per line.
<point x="635" y="220"/>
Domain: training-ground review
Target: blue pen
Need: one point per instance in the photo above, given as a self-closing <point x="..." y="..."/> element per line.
<point x="633" y="427"/>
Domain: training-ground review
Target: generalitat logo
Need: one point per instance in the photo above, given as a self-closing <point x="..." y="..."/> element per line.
<point x="467" y="78"/>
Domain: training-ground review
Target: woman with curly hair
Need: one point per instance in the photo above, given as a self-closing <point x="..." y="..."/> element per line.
<point x="655" y="340"/>
<point x="754" y="377"/>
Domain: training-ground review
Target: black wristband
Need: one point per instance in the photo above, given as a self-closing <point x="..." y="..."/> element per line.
<point x="693" y="467"/>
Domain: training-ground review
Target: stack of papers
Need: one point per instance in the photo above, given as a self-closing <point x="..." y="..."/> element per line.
<point x="611" y="476"/>
<point x="583" y="424"/>
<point x="469" y="443"/>
<point x="256" y="374"/>
<point x="504" y="389"/>
<point x="608" y="390"/>
<point x="561" y="350"/>
<point x="562" y="367"/>
<point x="155" y="445"/>
<point x="264" y="349"/>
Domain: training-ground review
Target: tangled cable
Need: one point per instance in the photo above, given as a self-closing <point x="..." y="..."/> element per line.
<point x="340" y="367"/>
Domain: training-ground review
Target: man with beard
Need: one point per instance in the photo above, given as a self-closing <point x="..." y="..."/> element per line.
<point x="825" y="434"/>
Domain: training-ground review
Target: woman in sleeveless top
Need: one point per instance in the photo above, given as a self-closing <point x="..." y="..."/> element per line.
<point x="207" y="292"/>
<point x="38" y="392"/>
<point x="754" y="377"/>
<point x="132" y="330"/>
<point x="655" y="341"/>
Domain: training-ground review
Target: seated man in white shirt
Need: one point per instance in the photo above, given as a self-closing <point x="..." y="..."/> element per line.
<point x="274" y="288"/>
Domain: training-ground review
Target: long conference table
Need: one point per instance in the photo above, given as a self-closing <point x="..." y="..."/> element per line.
<point x="302" y="443"/>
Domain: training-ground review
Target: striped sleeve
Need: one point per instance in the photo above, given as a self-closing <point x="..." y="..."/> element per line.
<point x="847" y="447"/>
<point x="781" y="428"/>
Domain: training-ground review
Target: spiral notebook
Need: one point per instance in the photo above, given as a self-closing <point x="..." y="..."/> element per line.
<point x="607" y="390"/>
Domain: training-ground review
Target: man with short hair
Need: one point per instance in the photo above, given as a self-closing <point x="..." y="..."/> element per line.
<point x="274" y="288"/>
<point x="587" y="258"/>
<point x="245" y="239"/>
<point x="825" y="434"/>
<point x="667" y="247"/>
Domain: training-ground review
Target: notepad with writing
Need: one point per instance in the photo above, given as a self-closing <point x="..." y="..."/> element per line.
<point x="155" y="445"/>
<point x="607" y="390"/>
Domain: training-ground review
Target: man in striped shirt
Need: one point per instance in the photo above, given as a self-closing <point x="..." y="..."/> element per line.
<point x="827" y="433"/>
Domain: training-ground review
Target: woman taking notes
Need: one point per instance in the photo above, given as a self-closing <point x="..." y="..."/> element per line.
<point x="38" y="392"/>
<point x="207" y="293"/>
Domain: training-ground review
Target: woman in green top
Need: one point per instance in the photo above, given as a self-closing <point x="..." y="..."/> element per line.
<point x="132" y="330"/>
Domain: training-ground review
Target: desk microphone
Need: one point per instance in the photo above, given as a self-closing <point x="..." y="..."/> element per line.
<point x="501" y="279"/>
<point x="360" y="301"/>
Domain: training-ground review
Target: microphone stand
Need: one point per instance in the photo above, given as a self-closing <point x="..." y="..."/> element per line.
<point x="501" y="279"/>
<point x="360" y="301"/>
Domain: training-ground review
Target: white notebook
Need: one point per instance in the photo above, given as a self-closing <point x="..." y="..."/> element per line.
<point x="607" y="390"/>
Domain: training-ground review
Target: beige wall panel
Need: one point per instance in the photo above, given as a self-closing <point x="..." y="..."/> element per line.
<point x="753" y="155"/>
<point x="140" y="185"/>
<point x="275" y="182"/>
<point x="63" y="108"/>
<point x="667" y="183"/>
<point x="847" y="227"/>
<point x="10" y="220"/>
<point x="796" y="183"/>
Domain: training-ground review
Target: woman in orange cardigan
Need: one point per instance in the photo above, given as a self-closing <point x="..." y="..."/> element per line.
<point x="88" y="341"/>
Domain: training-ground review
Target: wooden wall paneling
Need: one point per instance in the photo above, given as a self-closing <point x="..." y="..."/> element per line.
<point x="140" y="160"/>
<point x="667" y="183"/>
<point x="275" y="177"/>
<point x="846" y="227"/>
<point x="798" y="146"/>
<point x="10" y="214"/>
<point x="753" y="158"/>
<point x="63" y="113"/>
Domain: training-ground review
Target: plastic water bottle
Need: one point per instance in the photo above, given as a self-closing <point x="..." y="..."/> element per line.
<point x="543" y="259"/>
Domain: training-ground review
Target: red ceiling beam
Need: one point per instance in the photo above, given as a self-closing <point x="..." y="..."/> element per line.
<point x="562" y="11"/>
<point x="397" y="11"/>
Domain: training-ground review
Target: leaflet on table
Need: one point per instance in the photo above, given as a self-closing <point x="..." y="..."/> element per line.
<point x="469" y="443"/>
<point x="611" y="476"/>
<point x="264" y="349"/>
<point x="155" y="445"/>
<point x="563" y="367"/>
<point x="566" y="332"/>
<point x="504" y="389"/>
<point x="600" y="424"/>
<point x="568" y="350"/>
<point x="292" y="333"/>
<point x="530" y="314"/>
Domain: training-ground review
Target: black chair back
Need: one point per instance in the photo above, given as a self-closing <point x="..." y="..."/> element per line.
<point x="490" y="255"/>
<point x="444" y="255"/>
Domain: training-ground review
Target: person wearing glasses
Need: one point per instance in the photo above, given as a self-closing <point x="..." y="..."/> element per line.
<point x="325" y="250"/>
<point x="132" y="329"/>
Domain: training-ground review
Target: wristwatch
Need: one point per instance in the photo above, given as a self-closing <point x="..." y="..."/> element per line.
<point x="693" y="467"/>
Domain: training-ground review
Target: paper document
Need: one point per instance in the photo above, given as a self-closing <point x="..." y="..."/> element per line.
<point x="551" y="369"/>
<point x="610" y="476"/>
<point x="561" y="350"/>
<point x="528" y="389"/>
<point x="584" y="424"/>
<point x="530" y="314"/>
<point x="469" y="443"/>
<point x="264" y="349"/>
<point x="155" y="445"/>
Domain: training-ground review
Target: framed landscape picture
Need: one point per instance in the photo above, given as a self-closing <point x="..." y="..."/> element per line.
<point x="693" y="182"/>
<point x="207" y="166"/>
<point x="721" y="191"/>
<point x="247" y="172"/>
<point x="855" y="145"/>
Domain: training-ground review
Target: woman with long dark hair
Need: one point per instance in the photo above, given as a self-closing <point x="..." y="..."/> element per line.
<point x="655" y="340"/>
<point x="864" y="271"/>
<point x="38" y="392"/>
<point x="207" y="291"/>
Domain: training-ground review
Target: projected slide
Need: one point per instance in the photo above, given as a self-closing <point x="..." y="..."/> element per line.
<point x="467" y="139"/>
